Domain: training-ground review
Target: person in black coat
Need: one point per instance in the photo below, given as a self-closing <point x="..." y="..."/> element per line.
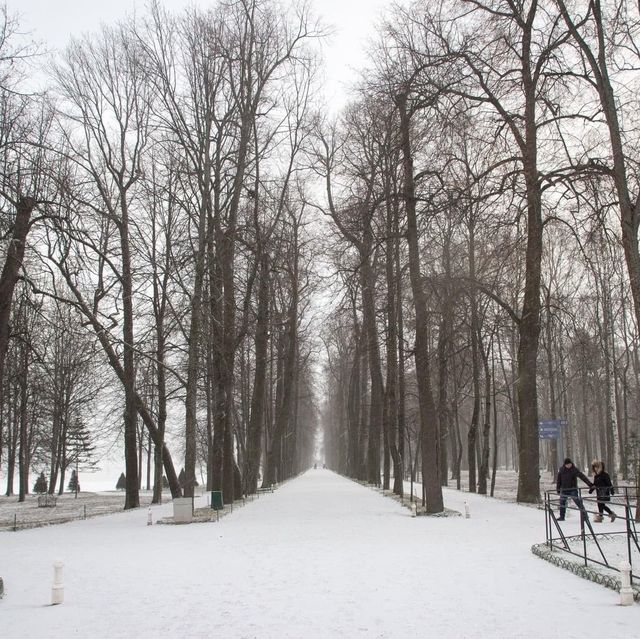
<point x="567" y="486"/>
<point x="604" y="489"/>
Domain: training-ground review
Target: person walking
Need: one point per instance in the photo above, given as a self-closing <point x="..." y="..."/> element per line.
<point x="604" y="489"/>
<point x="567" y="486"/>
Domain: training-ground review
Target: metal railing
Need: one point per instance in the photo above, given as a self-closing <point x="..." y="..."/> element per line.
<point x="589" y="545"/>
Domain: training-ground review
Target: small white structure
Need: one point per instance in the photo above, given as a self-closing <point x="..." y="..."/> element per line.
<point x="183" y="510"/>
<point x="467" y="512"/>
<point x="57" y="590"/>
<point x="414" y="510"/>
<point x="626" y="592"/>
<point x="149" y="518"/>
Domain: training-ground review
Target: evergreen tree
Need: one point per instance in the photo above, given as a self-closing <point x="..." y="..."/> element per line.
<point x="165" y="482"/>
<point x="40" y="487"/>
<point x="80" y="449"/>
<point x="122" y="482"/>
<point x="74" y="486"/>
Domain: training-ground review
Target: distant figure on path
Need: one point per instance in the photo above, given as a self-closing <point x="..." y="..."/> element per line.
<point x="604" y="489"/>
<point x="567" y="486"/>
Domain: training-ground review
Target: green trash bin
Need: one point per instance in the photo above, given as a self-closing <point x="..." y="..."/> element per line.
<point x="216" y="500"/>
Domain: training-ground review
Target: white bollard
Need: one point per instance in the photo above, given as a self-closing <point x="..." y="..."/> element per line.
<point x="414" y="510"/>
<point x="57" y="590"/>
<point x="467" y="512"/>
<point x="626" y="592"/>
<point x="149" y="518"/>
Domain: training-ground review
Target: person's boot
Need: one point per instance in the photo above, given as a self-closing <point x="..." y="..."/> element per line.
<point x="597" y="518"/>
<point x="613" y="517"/>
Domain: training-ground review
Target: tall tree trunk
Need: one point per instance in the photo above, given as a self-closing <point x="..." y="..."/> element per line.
<point x="529" y="326"/>
<point x="227" y="267"/>
<point x="12" y="437"/>
<point x="494" y="467"/>
<point x="373" y="350"/>
<point x="354" y="404"/>
<point x="273" y="469"/>
<point x="391" y="399"/>
<point x="23" y="453"/>
<point x="193" y="356"/>
<point x="364" y="412"/>
<point x="10" y="270"/>
<point x="258" y="398"/>
<point x="132" y="493"/>
<point x="162" y="415"/>
<point x="553" y="462"/>
<point x="444" y="349"/>
<point x="402" y="429"/>
<point x="474" y="334"/>
<point x="486" y="428"/>
<point x="428" y="418"/>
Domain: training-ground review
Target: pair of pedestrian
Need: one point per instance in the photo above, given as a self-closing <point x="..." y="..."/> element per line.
<point x="567" y="487"/>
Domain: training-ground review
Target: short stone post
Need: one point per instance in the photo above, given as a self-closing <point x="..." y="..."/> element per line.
<point x="467" y="512"/>
<point x="149" y="518"/>
<point x="414" y="510"/>
<point x="57" y="590"/>
<point x="182" y="510"/>
<point x="626" y="592"/>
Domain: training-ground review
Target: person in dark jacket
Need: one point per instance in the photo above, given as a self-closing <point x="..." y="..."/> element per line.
<point x="567" y="486"/>
<point x="604" y="489"/>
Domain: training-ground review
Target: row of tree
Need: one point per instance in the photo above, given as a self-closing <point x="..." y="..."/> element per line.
<point x="484" y="191"/>
<point x="41" y="487"/>
<point x="158" y="247"/>
<point x="162" y="207"/>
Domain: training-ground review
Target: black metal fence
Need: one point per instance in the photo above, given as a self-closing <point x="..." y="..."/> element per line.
<point x="591" y="546"/>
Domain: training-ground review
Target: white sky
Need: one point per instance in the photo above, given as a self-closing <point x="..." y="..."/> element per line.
<point x="54" y="21"/>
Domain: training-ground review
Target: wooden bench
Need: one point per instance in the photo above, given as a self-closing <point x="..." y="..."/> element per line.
<point x="46" y="501"/>
<point x="268" y="489"/>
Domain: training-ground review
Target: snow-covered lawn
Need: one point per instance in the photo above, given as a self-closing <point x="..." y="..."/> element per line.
<point x="320" y="557"/>
<point x="67" y="508"/>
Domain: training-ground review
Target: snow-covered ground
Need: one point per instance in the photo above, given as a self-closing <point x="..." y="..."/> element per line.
<point x="320" y="557"/>
<point x="90" y="503"/>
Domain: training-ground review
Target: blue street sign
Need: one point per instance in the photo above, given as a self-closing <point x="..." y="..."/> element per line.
<point x="552" y="422"/>
<point x="550" y="428"/>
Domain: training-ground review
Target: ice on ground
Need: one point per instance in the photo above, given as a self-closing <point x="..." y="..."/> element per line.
<point x="320" y="557"/>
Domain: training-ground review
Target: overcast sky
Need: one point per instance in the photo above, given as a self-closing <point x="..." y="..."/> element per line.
<point x="54" y="21"/>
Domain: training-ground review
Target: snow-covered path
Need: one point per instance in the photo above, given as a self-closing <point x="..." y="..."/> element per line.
<point x="320" y="557"/>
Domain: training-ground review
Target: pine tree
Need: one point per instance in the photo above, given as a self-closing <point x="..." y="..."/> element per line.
<point x="80" y="449"/>
<point x="40" y="487"/>
<point x="122" y="482"/>
<point x="73" y="483"/>
<point x="165" y="482"/>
